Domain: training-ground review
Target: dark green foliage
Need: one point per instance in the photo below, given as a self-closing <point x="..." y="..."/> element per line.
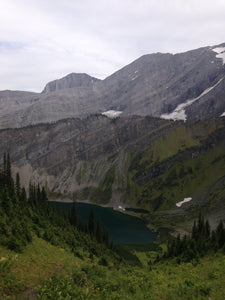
<point x="126" y="254"/>
<point x="103" y="261"/>
<point x="15" y="227"/>
<point x="99" y="233"/>
<point x="23" y="196"/>
<point x="18" y="187"/>
<point x="201" y="241"/>
<point x="220" y="235"/>
<point x="106" y="237"/>
<point x="21" y="216"/>
<point x="73" y="217"/>
<point x="91" y="222"/>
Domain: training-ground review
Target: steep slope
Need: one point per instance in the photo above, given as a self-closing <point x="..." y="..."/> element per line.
<point x="181" y="174"/>
<point x="70" y="81"/>
<point x="130" y="161"/>
<point x="12" y="103"/>
<point x="154" y="85"/>
<point x="45" y="254"/>
<point x="73" y="95"/>
<point x="88" y="157"/>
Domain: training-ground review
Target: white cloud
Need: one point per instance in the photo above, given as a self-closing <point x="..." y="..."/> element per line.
<point x="45" y="39"/>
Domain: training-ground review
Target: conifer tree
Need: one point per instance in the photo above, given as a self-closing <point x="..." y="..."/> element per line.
<point x="220" y="235"/>
<point x="194" y="231"/>
<point x="91" y="222"/>
<point x="106" y="236"/>
<point x="99" y="232"/>
<point x="4" y="168"/>
<point x="73" y="215"/>
<point x="207" y="229"/>
<point x="38" y="193"/>
<point x="23" y="195"/>
<point x="44" y="197"/>
<point x="8" y="169"/>
<point x="18" y="187"/>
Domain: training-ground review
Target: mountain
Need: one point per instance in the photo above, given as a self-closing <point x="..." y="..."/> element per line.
<point x="187" y="86"/>
<point x="74" y="146"/>
<point x="73" y="154"/>
<point x="119" y="142"/>
<point x="49" y="254"/>
<point x="70" y="81"/>
<point x="139" y="162"/>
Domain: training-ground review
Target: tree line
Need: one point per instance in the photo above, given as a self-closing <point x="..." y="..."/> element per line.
<point x="200" y="242"/>
<point x="23" y="214"/>
<point x="95" y="229"/>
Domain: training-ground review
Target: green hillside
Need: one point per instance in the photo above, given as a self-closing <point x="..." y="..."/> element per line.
<point x="188" y="161"/>
<point x="48" y="254"/>
<point x="44" y="271"/>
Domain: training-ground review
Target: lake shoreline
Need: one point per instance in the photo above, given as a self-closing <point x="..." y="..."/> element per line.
<point x="110" y="211"/>
<point x="117" y="206"/>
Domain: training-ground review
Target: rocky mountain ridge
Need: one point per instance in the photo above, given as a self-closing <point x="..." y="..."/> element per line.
<point x="154" y="85"/>
<point x="59" y="153"/>
<point x="142" y="162"/>
<point x="70" y="81"/>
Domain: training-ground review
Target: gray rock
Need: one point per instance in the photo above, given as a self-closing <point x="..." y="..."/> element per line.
<point x="153" y="85"/>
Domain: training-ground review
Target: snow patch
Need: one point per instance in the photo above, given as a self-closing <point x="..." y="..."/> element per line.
<point x="179" y="112"/>
<point x="112" y="113"/>
<point x="178" y="204"/>
<point x="121" y="208"/>
<point x="220" y="53"/>
<point x="135" y="77"/>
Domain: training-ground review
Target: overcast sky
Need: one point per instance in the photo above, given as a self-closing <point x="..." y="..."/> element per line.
<point x="42" y="40"/>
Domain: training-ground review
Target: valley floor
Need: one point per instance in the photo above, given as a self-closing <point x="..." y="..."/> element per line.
<point x="44" y="271"/>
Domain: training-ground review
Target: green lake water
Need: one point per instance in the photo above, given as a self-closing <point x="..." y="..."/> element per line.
<point x="122" y="228"/>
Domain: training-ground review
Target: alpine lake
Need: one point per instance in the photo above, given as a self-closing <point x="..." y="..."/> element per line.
<point x="122" y="228"/>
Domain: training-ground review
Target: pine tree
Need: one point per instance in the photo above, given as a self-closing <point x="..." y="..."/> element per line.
<point x="99" y="232"/>
<point x="38" y="193"/>
<point x="18" y="187"/>
<point x="194" y="231"/>
<point x="8" y="181"/>
<point x="4" y="168"/>
<point x="23" y="195"/>
<point x="200" y="225"/>
<point x="91" y="222"/>
<point x="105" y="237"/>
<point x="44" y="197"/>
<point x="220" y="234"/>
<point x="8" y="169"/>
<point x="73" y="215"/>
<point x="207" y="229"/>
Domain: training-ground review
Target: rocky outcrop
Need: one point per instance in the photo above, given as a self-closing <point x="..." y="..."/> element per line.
<point x="141" y="161"/>
<point x="74" y="154"/>
<point x="70" y="81"/>
<point x="153" y="85"/>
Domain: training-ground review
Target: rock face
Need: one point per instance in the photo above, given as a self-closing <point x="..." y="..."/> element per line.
<point x="70" y="81"/>
<point x="140" y="161"/>
<point x="73" y="154"/>
<point x="154" y="85"/>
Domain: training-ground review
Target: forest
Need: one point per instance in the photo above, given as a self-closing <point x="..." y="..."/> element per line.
<point x="47" y="253"/>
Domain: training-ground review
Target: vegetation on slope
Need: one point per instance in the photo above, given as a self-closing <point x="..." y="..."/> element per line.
<point x="44" y="271"/>
<point x="201" y="242"/>
<point x="46" y="254"/>
<point x="188" y="161"/>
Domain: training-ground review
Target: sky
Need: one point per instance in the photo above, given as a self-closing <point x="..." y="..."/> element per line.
<point x="43" y="40"/>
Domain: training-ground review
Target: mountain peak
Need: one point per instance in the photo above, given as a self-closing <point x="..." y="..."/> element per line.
<point x="69" y="81"/>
